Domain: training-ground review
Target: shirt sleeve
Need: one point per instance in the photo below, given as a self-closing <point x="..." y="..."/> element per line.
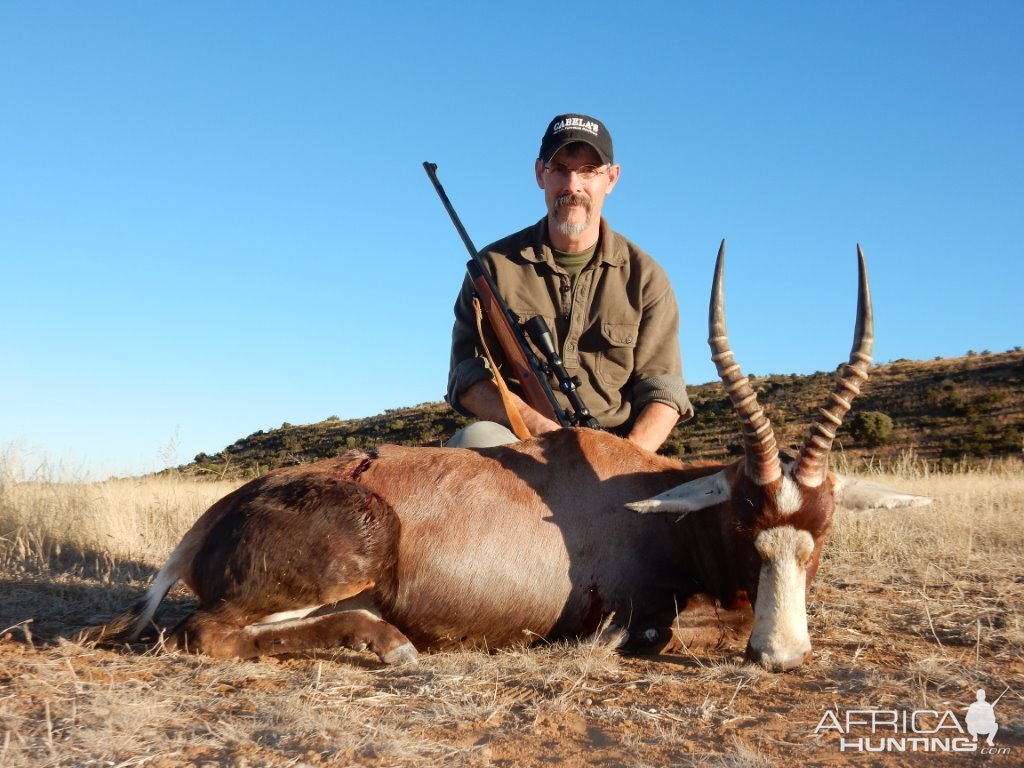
<point x="658" y="370"/>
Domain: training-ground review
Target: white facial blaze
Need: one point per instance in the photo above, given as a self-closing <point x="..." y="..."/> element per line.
<point x="789" y="499"/>
<point x="779" y="639"/>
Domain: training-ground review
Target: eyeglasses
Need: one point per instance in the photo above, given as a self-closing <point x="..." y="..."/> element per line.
<point x="585" y="172"/>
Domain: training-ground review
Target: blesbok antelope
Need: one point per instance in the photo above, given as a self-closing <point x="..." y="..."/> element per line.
<point x="400" y="549"/>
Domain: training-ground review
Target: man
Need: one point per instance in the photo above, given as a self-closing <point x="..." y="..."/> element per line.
<point x="610" y="307"/>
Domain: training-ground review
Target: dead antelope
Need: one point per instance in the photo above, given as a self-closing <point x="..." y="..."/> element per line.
<point x="406" y="549"/>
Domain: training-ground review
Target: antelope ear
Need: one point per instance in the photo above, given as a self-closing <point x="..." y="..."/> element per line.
<point x="860" y="495"/>
<point x="691" y="496"/>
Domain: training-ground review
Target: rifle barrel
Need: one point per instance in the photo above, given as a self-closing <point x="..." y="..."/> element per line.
<point x="431" y="169"/>
<point x="1000" y="696"/>
<point x="531" y="374"/>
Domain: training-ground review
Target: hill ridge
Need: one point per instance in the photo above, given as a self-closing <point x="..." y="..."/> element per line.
<point x="945" y="410"/>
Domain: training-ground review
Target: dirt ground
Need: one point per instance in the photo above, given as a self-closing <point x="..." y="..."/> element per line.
<point x="890" y="647"/>
<point x="912" y="612"/>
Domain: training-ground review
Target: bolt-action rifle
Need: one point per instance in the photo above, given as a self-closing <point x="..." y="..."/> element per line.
<point x="531" y="373"/>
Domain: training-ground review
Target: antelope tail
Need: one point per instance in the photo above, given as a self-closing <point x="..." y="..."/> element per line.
<point x="127" y="627"/>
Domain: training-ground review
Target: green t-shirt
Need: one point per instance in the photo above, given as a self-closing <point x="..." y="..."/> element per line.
<point x="573" y="263"/>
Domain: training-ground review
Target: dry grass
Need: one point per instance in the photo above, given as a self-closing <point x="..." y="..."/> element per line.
<point x="911" y="609"/>
<point x="129" y="519"/>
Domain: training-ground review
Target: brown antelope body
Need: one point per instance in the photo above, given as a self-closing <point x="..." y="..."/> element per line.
<point x="402" y="549"/>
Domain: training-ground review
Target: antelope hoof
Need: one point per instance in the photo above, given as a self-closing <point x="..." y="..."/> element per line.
<point x="403" y="654"/>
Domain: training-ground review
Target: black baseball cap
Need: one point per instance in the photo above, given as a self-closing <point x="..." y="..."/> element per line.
<point x="566" y="129"/>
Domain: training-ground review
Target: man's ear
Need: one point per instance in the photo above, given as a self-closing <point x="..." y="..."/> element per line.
<point x="614" y="171"/>
<point x="538" y="169"/>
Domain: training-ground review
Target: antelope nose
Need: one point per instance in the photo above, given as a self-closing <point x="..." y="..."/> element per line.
<point x="781" y="659"/>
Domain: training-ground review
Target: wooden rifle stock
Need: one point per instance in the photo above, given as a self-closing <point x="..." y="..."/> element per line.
<point x="527" y="369"/>
<point x="525" y="365"/>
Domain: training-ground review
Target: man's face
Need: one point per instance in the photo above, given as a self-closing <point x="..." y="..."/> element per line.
<point x="574" y="202"/>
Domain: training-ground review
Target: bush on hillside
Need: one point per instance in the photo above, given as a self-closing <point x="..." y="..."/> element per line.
<point x="871" y="428"/>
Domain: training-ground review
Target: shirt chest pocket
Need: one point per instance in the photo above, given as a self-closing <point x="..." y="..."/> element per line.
<point x="615" y="358"/>
<point x="524" y="315"/>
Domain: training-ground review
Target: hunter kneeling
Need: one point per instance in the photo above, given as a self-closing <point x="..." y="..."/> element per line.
<point x="610" y="308"/>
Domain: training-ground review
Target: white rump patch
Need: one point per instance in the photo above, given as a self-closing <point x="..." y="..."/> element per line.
<point x="691" y="496"/>
<point x="779" y="639"/>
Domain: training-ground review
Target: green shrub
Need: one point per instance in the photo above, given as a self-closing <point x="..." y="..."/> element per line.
<point x="871" y="428"/>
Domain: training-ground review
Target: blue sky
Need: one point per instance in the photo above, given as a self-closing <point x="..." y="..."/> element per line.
<point x="214" y="219"/>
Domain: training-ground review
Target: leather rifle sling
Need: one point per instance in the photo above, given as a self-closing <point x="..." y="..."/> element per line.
<point x="515" y="421"/>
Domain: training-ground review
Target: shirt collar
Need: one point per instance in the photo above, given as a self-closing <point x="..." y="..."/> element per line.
<point x="609" y="250"/>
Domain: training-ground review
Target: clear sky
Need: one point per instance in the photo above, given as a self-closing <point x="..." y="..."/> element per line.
<point x="214" y="217"/>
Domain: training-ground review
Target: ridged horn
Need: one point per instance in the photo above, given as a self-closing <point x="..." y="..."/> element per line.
<point x="810" y="468"/>
<point x="761" y="450"/>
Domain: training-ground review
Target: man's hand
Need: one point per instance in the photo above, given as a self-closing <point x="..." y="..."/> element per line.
<point x="484" y="401"/>
<point x="650" y="430"/>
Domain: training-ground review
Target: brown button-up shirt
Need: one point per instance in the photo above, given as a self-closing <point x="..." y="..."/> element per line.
<point x="616" y="327"/>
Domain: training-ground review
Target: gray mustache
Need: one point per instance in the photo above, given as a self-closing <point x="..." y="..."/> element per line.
<point x="572" y="199"/>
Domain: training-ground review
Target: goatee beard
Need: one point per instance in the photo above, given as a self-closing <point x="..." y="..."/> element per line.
<point x="567" y="228"/>
<point x="572" y="230"/>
